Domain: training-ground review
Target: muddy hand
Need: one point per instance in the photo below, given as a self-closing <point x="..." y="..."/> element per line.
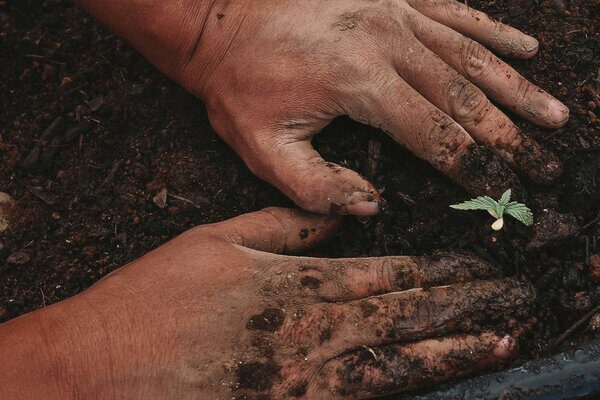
<point x="215" y="314"/>
<point x="275" y="73"/>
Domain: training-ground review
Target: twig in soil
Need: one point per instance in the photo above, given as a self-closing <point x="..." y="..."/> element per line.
<point x="43" y="297"/>
<point x="110" y="177"/>
<point x="48" y="201"/>
<point x="592" y="222"/>
<point x="575" y="326"/>
<point x="174" y="196"/>
<point x="34" y="155"/>
<point x="38" y="57"/>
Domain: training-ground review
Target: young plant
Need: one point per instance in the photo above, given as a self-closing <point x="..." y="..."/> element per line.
<point x="497" y="209"/>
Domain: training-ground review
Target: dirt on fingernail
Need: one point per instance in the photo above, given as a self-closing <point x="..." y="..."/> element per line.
<point x="481" y="172"/>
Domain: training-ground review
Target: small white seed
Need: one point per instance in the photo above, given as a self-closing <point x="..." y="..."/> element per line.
<point x="498" y="224"/>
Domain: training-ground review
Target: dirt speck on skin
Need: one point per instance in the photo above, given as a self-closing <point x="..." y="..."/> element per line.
<point x="303" y="234"/>
<point x="257" y="375"/>
<point x="310" y="282"/>
<point x="325" y="335"/>
<point x="368" y="308"/>
<point x="269" y="320"/>
<point x="299" y="389"/>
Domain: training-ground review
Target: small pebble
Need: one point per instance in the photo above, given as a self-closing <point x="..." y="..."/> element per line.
<point x="18" y="258"/>
<point x="595" y="324"/>
<point x="48" y="72"/>
<point x="595" y="267"/>
<point x="5" y="202"/>
<point x="161" y="199"/>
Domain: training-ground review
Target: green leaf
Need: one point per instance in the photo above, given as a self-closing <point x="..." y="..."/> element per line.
<point x="480" y="203"/>
<point x="520" y="212"/>
<point x="505" y="198"/>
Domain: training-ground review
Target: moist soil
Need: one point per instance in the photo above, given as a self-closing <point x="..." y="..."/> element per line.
<point x="86" y="186"/>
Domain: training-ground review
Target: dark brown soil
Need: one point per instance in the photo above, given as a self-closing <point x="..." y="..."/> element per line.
<point x="86" y="194"/>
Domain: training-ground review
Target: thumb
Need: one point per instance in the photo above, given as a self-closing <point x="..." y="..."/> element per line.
<point x="276" y="230"/>
<point x="295" y="168"/>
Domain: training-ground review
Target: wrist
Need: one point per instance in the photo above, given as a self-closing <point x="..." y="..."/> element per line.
<point x="42" y="353"/>
<point x="78" y="348"/>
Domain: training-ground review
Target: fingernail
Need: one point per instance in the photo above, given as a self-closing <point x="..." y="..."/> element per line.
<point x="362" y="204"/>
<point x="530" y="44"/>
<point x="557" y="111"/>
<point x="505" y="348"/>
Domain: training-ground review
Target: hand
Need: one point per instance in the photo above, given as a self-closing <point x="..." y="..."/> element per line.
<point x="274" y="74"/>
<point x="214" y="314"/>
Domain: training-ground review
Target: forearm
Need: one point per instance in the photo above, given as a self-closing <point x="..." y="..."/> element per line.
<point x="61" y="352"/>
<point x="33" y="350"/>
<point x="159" y="29"/>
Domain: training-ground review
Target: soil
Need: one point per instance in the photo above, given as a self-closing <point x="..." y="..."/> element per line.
<point x="87" y="192"/>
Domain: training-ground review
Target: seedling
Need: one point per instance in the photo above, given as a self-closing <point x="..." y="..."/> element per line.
<point x="497" y="209"/>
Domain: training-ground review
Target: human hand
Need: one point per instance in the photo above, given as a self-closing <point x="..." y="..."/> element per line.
<point x="273" y="75"/>
<point x="215" y="314"/>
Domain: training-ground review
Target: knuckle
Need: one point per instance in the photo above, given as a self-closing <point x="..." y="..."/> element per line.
<point x="467" y="102"/>
<point x="442" y="139"/>
<point x="476" y="60"/>
<point x="308" y="328"/>
<point x="523" y="93"/>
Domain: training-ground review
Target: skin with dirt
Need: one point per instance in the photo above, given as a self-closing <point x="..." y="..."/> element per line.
<point x="90" y="199"/>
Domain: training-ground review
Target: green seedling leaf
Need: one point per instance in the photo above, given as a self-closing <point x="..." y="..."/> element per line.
<point x="505" y="198"/>
<point x="497" y="209"/>
<point x="520" y="212"/>
<point x="480" y="203"/>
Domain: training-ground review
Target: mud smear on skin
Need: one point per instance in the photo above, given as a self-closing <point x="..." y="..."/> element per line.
<point x="257" y="375"/>
<point x="269" y="320"/>
<point x="394" y="368"/>
<point x="440" y="267"/>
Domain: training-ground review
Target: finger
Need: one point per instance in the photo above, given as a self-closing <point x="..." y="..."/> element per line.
<point x="407" y="316"/>
<point x="497" y="79"/>
<point x="293" y="166"/>
<point x="469" y="106"/>
<point x="352" y="279"/>
<point x="501" y="38"/>
<point x="276" y="230"/>
<point x="431" y="134"/>
<point x="369" y="372"/>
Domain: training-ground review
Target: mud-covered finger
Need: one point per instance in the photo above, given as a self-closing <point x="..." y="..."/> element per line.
<point x="407" y="316"/>
<point x="397" y="108"/>
<point x="295" y="168"/>
<point x="496" y="78"/>
<point x="501" y="38"/>
<point x="352" y="279"/>
<point x="369" y="372"/>
<point x="466" y="104"/>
